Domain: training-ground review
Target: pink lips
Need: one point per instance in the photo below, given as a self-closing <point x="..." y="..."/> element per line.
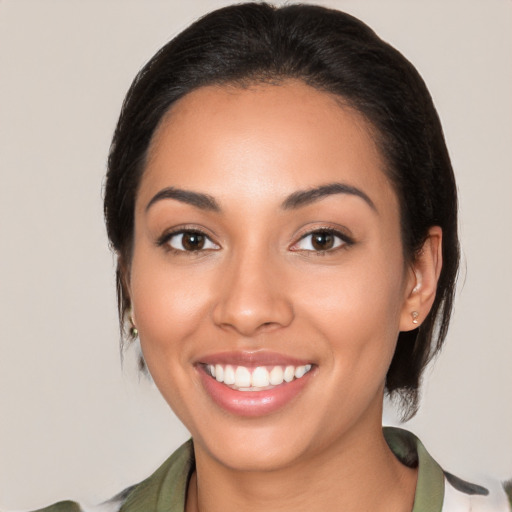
<point x="251" y="359"/>
<point x="251" y="403"/>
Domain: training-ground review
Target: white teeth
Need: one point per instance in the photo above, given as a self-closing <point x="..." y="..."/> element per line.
<point x="260" y="377"/>
<point x="299" y="371"/>
<point x="229" y="375"/>
<point x="276" y="376"/>
<point x="289" y="373"/>
<point x="242" y="377"/>
<point x="245" y="379"/>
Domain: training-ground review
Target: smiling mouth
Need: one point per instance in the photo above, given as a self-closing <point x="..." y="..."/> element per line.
<point x="259" y="378"/>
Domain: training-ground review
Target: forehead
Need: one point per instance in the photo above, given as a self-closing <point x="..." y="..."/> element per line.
<point x="261" y="140"/>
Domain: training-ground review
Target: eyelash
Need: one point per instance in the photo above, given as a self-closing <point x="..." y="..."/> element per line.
<point x="165" y="239"/>
<point x="344" y="241"/>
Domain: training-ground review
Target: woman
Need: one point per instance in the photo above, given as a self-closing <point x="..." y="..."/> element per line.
<point x="284" y="212"/>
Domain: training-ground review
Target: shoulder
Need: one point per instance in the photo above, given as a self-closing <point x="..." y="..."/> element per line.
<point x="438" y="490"/>
<point x="165" y="489"/>
<point x="113" y="505"/>
<point x="62" y="506"/>
<point x="492" y="496"/>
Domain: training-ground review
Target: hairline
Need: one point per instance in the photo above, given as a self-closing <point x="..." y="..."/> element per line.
<point x="277" y="79"/>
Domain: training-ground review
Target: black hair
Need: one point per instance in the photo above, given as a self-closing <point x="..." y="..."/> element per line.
<point x="333" y="52"/>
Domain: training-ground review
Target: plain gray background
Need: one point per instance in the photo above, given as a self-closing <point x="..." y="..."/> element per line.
<point x="72" y="422"/>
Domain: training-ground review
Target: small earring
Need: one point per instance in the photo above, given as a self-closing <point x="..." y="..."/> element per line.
<point x="134" y="332"/>
<point x="415" y="316"/>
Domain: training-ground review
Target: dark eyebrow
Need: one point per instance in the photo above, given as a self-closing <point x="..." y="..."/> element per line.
<point x="305" y="197"/>
<point x="202" y="201"/>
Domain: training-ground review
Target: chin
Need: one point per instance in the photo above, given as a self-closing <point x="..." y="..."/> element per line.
<point x="264" y="447"/>
<point x="257" y="456"/>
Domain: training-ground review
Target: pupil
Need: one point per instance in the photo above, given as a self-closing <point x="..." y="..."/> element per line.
<point x="193" y="241"/>
<point x="322" y="241"/>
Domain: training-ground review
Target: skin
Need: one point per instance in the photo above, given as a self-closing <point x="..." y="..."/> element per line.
<point x="258" y="284"/>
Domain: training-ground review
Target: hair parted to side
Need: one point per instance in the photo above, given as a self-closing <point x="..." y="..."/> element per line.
<point x="333" y="52"/>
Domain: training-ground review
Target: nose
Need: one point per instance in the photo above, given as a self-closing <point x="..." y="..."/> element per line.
<point x="252" y="296"/>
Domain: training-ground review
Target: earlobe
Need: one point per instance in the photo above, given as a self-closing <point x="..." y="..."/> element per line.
<point x="134" y="332"/>
<point x="123" y="276"/>
<point x="422" y="286"/>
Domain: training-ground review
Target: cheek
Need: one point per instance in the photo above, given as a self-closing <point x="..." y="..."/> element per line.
<point x="361" y="294"/>
<point x="170" y="313"/>
<point x="357" y="309"/>
<point x="169" y="305"/>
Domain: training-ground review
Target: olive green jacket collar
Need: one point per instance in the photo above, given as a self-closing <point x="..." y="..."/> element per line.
<point x="165" y="490"/>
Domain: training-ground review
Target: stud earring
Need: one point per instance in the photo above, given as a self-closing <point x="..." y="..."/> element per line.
<point x="415" y="316"/>
<point x="134" y="332"/>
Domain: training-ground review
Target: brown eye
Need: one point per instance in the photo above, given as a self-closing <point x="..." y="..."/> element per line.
<point x="190" y="241"/>
<point x="193" y="241"/>
<point x="322" y="241"/>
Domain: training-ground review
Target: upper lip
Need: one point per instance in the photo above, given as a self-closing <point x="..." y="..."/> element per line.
<point x="252" y="359"/>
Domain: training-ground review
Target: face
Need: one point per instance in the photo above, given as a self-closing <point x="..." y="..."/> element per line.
<point x="267" y="278"/>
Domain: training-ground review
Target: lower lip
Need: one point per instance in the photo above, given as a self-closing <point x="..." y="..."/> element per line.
<point x="252" y="403"/>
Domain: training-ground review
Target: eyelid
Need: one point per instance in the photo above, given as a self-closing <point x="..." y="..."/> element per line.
<point x="166" y="237"/>
<point x="346" y="240"/>
<point x="208" y="241"/>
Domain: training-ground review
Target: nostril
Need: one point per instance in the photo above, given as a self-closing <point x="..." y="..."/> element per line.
<point x="252" y="324"/>
<point x="251" y="305"/>
<point x="269" y="326"/>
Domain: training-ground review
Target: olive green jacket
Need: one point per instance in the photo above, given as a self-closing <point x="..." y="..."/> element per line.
<point x="436" y="490"/>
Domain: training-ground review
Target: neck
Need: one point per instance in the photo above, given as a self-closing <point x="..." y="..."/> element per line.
<point x="357" y="473"/>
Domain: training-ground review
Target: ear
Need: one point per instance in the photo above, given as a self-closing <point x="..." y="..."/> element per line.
<point x="422" y="279"/>
<point x="123" y="276"/>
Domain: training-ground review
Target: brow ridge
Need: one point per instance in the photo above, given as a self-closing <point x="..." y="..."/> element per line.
<point x="197" y="199"/>
<point x="305" y="197"/>
<point x="295" y="200"/>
